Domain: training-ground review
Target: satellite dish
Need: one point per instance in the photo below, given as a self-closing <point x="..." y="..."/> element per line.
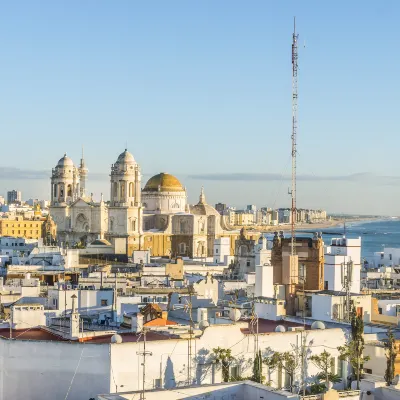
<point x="234" y="314"/>
<point x="116" y="338"/>
<point x="317" y="325"/>
<point x="203" y="325"/>
<point x="280" y="328"/>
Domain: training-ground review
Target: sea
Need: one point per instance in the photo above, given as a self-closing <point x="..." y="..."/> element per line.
<point x="375" y="234"/>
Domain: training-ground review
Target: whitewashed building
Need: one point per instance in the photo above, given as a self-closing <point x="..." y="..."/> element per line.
<point x="56" y="368"/>
<point x="341" y="254"/>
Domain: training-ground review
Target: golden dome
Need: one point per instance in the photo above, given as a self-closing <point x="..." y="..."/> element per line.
<point x="163" y="182"/>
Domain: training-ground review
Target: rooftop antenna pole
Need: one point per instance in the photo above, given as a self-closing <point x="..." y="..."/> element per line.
<point x="294" y="134"/>
<point x="292" y="192"/>
<point x="144" y="353"/>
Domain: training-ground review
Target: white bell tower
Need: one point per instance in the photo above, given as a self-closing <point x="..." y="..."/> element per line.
<point x="125" y="210"/>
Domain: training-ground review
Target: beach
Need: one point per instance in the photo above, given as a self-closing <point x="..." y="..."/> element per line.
<point x="307" y="226"/>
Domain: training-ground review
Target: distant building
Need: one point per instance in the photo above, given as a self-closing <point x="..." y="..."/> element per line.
<point x="251" y="208"/>
<point x="37" y="228"/>
<point x="2" y="200"/>
<point x="14" y="196"/>
<point x="244" y="218"/>
<point x="284" y="216"/>
<point x="221" y="207"/>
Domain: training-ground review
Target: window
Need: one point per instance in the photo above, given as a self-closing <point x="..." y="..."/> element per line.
<point x="326" y="285"/>
<point x="279" y="377"/>
<point x="380" y="310"/>
<point x="104" y="303"/>
<point x="390" y="257"/>
<point x="248" y="263"/>
<point x="157" y="383"/>
<point x="339" y="367"/>
<point x="333" y="365"/>
<point x="216" y="251"/>
<point x="287" y="379"/>
<point x="182" y="248"/>
<point x="234" y="372"/>
<point x="368" y="370"/>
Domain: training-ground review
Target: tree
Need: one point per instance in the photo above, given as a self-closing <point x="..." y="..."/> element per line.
<point x="324" y="361"/>
<point x="257" y="368"/>
<point x="287" y="361"/>
<point x="225" y="358"/>
<point x="353" y="352"/>
<point x="270" y="363"/>
<point x="390" y="350"/>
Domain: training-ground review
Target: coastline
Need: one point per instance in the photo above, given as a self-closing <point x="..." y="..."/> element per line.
<point x="313" y="226"/>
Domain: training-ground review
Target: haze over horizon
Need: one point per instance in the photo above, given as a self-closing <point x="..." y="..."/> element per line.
<point x="203" y="91"/>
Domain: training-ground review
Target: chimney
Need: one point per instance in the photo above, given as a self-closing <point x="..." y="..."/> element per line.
<point x="74" y="320"/>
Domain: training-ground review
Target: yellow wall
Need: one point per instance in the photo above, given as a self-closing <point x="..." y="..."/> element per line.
<point x="26" y="228"/>
<point x="243" y="219"/>
<point x="160" y="244"/>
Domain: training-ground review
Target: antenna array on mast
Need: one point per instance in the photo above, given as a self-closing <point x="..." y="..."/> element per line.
<point x="294" y="137"/>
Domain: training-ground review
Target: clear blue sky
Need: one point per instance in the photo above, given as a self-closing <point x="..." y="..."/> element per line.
<point x="203" y="90"/>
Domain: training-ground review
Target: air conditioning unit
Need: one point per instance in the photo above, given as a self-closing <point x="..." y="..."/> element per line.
<point x="295" y="328"/>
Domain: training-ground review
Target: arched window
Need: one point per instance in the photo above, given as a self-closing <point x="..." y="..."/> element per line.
<point x="243" y="251"/>
<point x="111" y="225"/>
<point x="61" y="191"/>
<point x="115" y="189"/>
<point x="182" y="248"/>
<point x="131" y="189"/>
<point x="55" y="190"/>
<point x="182" y="226"/>
<point x="134" y="225"/>
<point x="122" y="190"/>
<point x="69" y="190"/>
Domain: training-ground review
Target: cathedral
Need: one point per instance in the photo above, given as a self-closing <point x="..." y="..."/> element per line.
<point x="156" y="218"/>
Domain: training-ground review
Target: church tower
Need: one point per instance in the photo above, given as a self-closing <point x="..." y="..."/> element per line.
<point x="65" y="182"/>
<point x="125" y="210"/>
<point x="83" y="172"/>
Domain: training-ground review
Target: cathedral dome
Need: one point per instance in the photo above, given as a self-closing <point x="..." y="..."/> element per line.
<point x="163" y="182"/>
<point x="65" y="162"/>
<point x="202" y="208"/>
<point x="125" y="158"/>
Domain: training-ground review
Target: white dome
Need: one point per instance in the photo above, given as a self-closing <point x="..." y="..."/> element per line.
<point x="65" y="162"/>
<point x="234" y="314"/>
<point x="203" y="325"/>
<point x="116" y="338"/>
<point x="318" y="325"/>
<point x="280" y="328"/>
<point x="125" y="158"/>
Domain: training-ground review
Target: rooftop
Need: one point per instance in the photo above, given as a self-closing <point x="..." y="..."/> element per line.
<point x="29" y="334"/>
<point x="268" y="326"/>
<point x="239" y="390"/>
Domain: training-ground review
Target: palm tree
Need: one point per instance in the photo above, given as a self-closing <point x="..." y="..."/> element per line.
<point x="225" y="358"/>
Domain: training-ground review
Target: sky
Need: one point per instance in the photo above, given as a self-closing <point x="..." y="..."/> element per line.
<point x="202" y="90"/>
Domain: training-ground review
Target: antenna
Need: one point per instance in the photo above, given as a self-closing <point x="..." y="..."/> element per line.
<point x="144" y="353"/>
<point x="292" y="192"/>
<point x="188" y="307"/>
<point x="347" y="278"/>
<point x="294" y="134"/>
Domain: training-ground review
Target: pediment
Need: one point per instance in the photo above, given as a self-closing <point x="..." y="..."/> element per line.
<point x="80" y="203"/>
